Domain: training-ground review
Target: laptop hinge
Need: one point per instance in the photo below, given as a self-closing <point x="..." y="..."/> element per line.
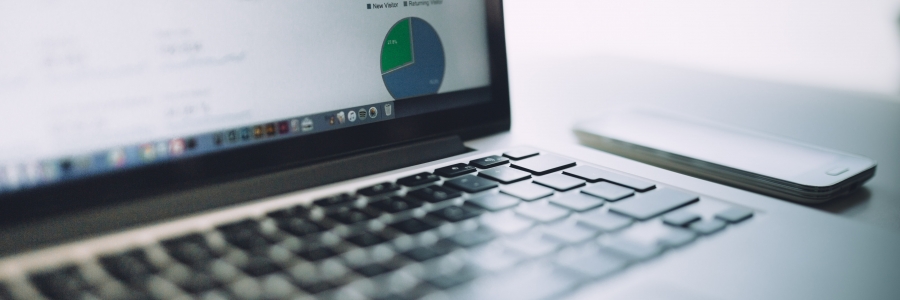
<point x="159" y="208"/>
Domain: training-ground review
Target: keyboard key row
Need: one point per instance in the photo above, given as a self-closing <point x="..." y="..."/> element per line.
<point x="270" y="251"/>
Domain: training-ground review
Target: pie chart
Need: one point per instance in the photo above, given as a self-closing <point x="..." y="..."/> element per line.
<point x="412" y="59"/>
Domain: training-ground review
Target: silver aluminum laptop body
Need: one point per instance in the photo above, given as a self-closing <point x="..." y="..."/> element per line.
<point x="779" y="251"/>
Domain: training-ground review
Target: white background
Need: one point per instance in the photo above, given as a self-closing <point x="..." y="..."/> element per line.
<point x="842" y="44"/>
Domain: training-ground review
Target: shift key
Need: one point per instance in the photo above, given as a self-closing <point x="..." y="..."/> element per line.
<point x="653" y="203"/>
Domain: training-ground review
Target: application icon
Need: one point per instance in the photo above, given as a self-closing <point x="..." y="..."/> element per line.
<point x="340" y="117"/>
<point x="362" y="114"/>
<point x="270" y="129"/>
<point x="65" y="165"/>
<point x="33" y="172"/>
<point x="232" y="136"/>
<point x="330" y="120"/>
<point x="190" y="143"/>
<point x="245" y="133"/>
<point x="283" y="127"/>
<point x="83" y="163"/>
<point x="162" y="150"/>
<point x="295" y="125"/>
<point x="217" y="139"/>
<point x="12" y="177"/>
<point x="3" y="177"/>
<point x="258" y="131"/>
<point x="50" y="170"/>
<point x="176" y="147"/>
<point x="307" y="124"/>
<point x="373" y="112"/>
<point x="388" y="109"/>
<point x="351" y="116"/>
<point x="23" y="175"/>
<point x="116" y="157"/>
<point x="148" y="153"/>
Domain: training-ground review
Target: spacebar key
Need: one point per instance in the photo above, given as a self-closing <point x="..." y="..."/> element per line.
<point x="653" y="203"/>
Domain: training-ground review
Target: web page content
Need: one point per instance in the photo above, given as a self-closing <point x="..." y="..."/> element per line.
<point x="83" y="76"/>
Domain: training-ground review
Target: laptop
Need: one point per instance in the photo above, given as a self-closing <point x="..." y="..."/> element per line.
<point x="352" y="150"/>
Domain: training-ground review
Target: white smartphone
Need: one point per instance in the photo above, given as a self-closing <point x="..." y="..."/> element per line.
<point x="751" y="160"/>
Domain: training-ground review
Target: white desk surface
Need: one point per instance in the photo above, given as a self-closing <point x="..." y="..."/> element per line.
<point x="550" y="94"/>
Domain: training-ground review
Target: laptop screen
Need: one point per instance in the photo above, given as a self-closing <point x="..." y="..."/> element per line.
<point x="97" y="86"/>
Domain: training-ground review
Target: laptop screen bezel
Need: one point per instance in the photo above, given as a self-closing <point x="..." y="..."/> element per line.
<point x="133" y="185"/>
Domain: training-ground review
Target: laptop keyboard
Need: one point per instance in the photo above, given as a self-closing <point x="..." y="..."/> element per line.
<point x="525" y="225"/>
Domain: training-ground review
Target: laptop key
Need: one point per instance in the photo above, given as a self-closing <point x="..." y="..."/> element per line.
<point x="604" y="221"/>
<point x="435" y="194"/>
<point x="504" y="175"/>
<point x="298" y="211"/>
<point x="472" y="238"/>
<point x="592" y="264"/>
<point x="61" y="283"/>
<point x="559" y="182"/>
<point x="707" y="227"/>
<point x="366" y="239"/>
<point x="299" y="227"/>
<point x="653" y="203"/>
<point x="130" y="266"/>
<point x="335" y="201"/>
<point x="197" y="282"/>
<point x="532" y="246"/>
<point x="456" y="213"/>
<point x="543" y="164"/>
<point x="676" y="238"/>
<point x="521" y="153"/>
<point x="526" y="191"/>
<point x="353" y="215"/>
<point x="424" y="253"/>
<point x="378" y="189"/>
<point x="592" y="174"/>
<point x="506" y="222"/>
<point x="413" y="226"/>
<point x="470" y="184"/>
<point x="680" y="218"/>
<point x="530" y="282"/>
<point x="542" y="212"/>
<point x="259" y="266"/>
<point x="608" y="191"/>
<point x="569" y="233"/>
<point x="372" y="270"/>
<point x="191" y="249"/>
<point x="489" y="162"/>
<point x="316" y="253"/>
<point x="244" y="234"/>
<point x="734" y="214"/>
<point x="494" y="202"/>
<point x="418" y="179"/>
<point x="454" y="170"/>
<point x="396" y="204"/>
<point x="577" y="202"/>
<point x="629" y="249"/>
<point x="316" y="287"/>
<point x="457" y="278"/>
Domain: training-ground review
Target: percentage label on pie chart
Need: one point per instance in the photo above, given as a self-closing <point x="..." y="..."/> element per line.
<point x="412" y="59"/>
